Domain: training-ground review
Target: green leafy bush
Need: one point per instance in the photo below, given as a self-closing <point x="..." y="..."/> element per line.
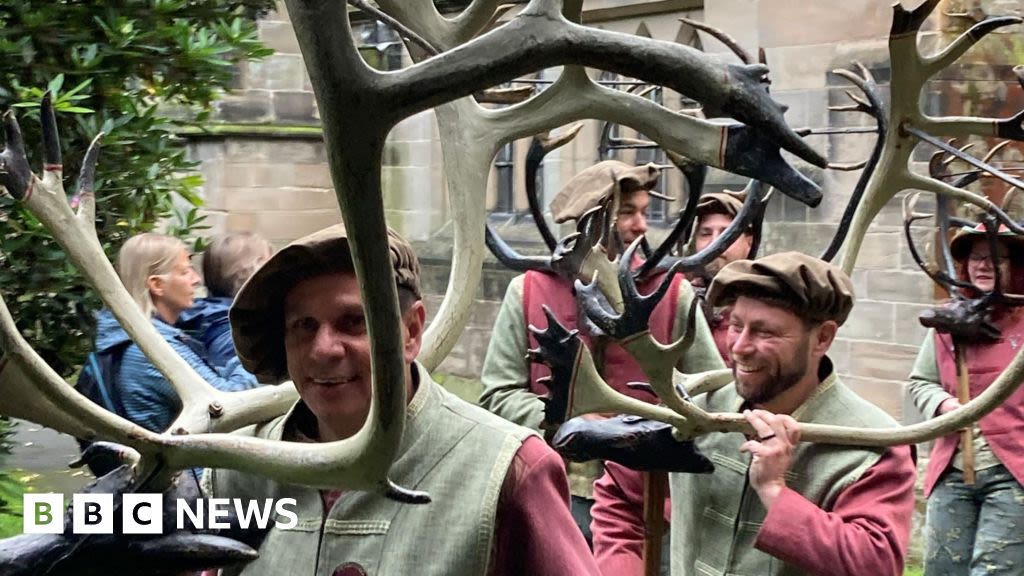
<point x="10" y="489"/>
<point x="117" y="68"/>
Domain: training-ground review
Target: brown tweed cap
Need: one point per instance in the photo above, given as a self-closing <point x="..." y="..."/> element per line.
<point x="596" y="184"/>
<point x="728" y="203"/>
<point x="960" y="245"/>
<point x="257" y="314"/>
<point x="819" y="290"/>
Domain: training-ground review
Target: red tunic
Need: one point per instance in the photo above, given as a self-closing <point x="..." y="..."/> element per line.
<point x="618" y="523"/>
<point x="1002" y="426"/>
<point x="540" y="289"/>
<point x="535" y="532"/>
<point x="720" y="331"/>
<point x="866" y="532"/>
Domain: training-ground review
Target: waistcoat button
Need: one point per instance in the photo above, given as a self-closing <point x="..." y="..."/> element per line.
<point x="349" y="569"/>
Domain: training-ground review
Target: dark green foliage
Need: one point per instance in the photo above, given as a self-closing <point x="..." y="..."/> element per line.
<point x="119" y="67"/>
<point x="10" y="489"/>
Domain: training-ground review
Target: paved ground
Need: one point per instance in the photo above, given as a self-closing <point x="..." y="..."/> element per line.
<point x="42" y="455"/>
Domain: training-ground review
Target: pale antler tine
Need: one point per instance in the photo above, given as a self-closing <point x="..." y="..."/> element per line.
<point x="851" y="76"/>
<point x="995" y="150"/>
<point x="847" y="167"/>
<point x="843" y="108"/>
<point x="1008" y="197"/>
<point x="647" y="90"/>
<point x="865" y="73"/>
<point x="860" y="101"/>
<point x="551" y="143"/>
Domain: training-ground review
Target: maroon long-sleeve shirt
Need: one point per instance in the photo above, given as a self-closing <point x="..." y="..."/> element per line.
<point x="866" y="532"/>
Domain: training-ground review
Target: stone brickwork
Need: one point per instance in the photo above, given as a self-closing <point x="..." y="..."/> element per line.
<point x="279" y="185"/>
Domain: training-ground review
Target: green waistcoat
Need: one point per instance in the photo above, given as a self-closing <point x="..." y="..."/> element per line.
<point x="716" y="517"/>
<point x="457" y="452"/>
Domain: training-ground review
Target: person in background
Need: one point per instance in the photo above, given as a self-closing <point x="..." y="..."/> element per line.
<point x="158" y="274"/>
<point x="228" y="261"/>
<point x="976" y="529"/>
<point x="618" y="525"/>
<point x="512" y="387"/>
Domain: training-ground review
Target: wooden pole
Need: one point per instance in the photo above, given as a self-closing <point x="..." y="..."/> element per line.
<point x="963" y="395"/>
<point x="654" y="520"/>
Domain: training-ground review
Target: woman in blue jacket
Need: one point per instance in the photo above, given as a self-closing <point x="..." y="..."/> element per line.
<point x="158" y="274"/>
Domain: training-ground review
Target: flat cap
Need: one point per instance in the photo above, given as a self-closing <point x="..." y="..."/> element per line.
<point x="728" y="203"/>
<point x="818" y="290"/>
<point x="596" y="184"/>
<point x="257" y="314"/>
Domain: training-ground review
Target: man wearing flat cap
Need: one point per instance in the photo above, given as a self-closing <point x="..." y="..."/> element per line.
<point x="499" y="495"/>
<point x="774" y="506"/>
<point x="618" y="523"/>
<point x="715" y="212"/>
<point x="512" y="386"/>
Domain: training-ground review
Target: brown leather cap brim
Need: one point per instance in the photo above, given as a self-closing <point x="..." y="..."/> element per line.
<point x="597" y="184"/>
<point x="728" y="203"/>
<point x="819" y="290"/>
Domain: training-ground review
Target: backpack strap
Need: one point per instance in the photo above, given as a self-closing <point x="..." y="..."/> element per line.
<point x="104" y="368"/>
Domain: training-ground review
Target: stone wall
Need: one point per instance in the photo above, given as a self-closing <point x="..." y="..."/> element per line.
<point x="268" y="173"/>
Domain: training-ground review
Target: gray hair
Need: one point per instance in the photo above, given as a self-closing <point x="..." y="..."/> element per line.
<point x="231" y="259"/>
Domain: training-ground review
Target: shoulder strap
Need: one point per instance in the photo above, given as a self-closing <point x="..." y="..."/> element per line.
<point x="104" y="367"/>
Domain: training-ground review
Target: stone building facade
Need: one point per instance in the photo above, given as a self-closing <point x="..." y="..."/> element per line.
<point x="265" y="164"/>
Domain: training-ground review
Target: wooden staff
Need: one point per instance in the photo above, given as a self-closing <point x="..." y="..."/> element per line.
<point x="654" y="520"/>
<point x="963" y="395"/>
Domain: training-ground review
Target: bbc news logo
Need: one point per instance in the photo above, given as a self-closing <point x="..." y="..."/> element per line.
<point x="144" y="513"/>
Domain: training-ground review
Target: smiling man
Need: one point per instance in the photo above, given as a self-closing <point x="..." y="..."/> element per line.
<point x="500" y="498"/>
<point x="513" y="387"/>
<point x="774" y="506"/>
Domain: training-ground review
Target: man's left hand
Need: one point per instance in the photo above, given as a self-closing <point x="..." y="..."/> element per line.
<point x="772" y="451"/>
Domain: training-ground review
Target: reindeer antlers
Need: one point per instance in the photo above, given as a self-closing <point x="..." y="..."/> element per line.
<point x="32" y="390"/>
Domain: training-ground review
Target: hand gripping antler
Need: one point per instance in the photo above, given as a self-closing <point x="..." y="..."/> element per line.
<point x="590" y="393"/>
<point x="32" y="390"/>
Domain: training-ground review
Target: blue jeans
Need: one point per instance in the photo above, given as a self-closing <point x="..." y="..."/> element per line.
<point x="975" y="530"/>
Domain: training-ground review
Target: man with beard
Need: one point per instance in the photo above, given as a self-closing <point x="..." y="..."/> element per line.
<point x="774" y="506"/>
<point x="512" y="386"/>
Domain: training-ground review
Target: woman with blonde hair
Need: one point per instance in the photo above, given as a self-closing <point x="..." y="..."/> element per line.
<point x="158" y="274"/>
